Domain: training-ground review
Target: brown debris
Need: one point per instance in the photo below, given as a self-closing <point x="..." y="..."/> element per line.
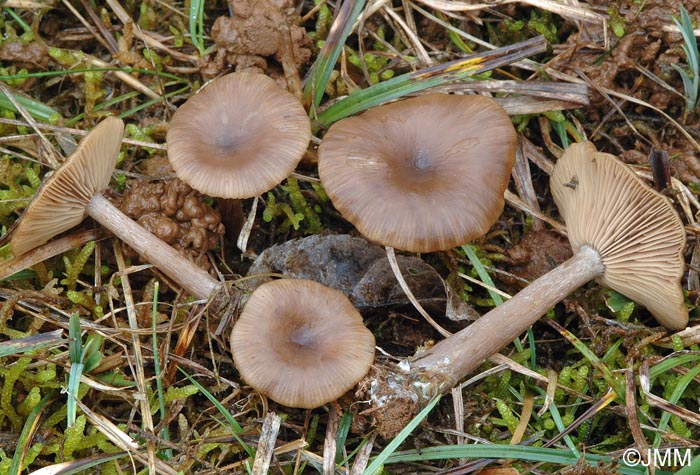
<point x="538" y="253"/>
<point x="32" y="54"/>
<point x="256" y="31"/>
<point x="175" y="213"/>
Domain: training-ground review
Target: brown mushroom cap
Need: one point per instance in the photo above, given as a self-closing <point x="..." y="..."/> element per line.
<point x="238" y="137"/>
<point x="300" y="343"/>
<point x="636" y="231"/>
<point x="60" y="202"/>
<point x="423" y="174"/>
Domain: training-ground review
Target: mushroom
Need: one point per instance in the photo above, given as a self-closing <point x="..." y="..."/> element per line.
<point x="74" y="190"/>
<point x="423" y="174"/>
<point x="238" y="137"/>
<point x="623" y="233"/>
<point x="301" y="343"/>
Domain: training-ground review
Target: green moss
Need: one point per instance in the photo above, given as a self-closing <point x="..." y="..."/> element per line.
<point x="616" y="20"/>
<point x="509" y="418"/>
<point x="541" y="21"/>
<point x="29" y="402"/>
<point x="75" y="266"/>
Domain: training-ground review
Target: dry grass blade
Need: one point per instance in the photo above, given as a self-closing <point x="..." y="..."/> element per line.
<point x="391" y="256"/>
<point x="533" y="105"/>
<point x="51" y="154"/>
<point x="122" y="440"/>
<point x="523" y="183"/>
<point x="329" y="443"/>
<point x="117" y="436"/>
<point x="576" y="93"/>
<point x="49" y="250"/>
<point x="26" y="4"/>
<point x="31" y="343"/>
<point x="688" y="337"/>
<point x="550" y="392"/>
<point x="266" y="444"/>
<point x="590" y="412"/>
<point x="572" y="11"/>
<point x="663" y="404"/>
<point x="413" y="37"/>
<point x="515" y="201"/>
<point x="138" y="362"/>
<point x="146" y="38"/>
<point x="631" y="410"/>
<point x="75" y="466"/>
<point x="362" y="456"/>
<point x="88" y="26"/>
<point x="68" y="130"/>
<point x="525" y="415"/>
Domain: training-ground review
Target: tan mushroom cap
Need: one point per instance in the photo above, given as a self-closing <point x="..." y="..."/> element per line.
<point x="300" y="343"/>
<point x="637" y="232"/>
<point x="238" y="137"/>
<point x="60" y="202"/>
<point x="423" y="174"/>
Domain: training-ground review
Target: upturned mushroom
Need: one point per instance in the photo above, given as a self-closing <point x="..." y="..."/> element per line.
<point x="423" y="174"/>
<point x="301" y="343"/>
<point x="74" y="190"/>
<point x="623" y="233"/>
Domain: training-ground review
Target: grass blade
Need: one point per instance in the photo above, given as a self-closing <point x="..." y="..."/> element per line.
<point x="237" y="429"/>
<point x="30" y="427"/>
<point x="31" y="343"/>
<point x="376" y="466"/>
<point x="328" y="56"/>
<point x="513" y="452"/>
<point x="458" y="70"/>
<point x="36" y="109"/>
<point x="75" y="350"/>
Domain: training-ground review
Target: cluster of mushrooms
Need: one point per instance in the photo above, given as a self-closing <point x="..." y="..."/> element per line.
<point x="446" y="158"/>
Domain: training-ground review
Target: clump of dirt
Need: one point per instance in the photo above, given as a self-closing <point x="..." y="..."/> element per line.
<point x="258" y="31"/>
<point x="537" y="253"/>
<point x="175" y="213"/>
<point x="650" y="43"/>
<point x="393" y="403"/>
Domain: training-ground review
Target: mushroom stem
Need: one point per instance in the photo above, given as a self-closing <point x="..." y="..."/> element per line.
<point x="456" y="356"/>
<point x="191" y="277"/>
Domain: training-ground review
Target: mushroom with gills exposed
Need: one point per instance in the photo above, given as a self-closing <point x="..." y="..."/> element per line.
<point x="238" y="137"/>
<point x="301" y="343"/>
<point x="74" y="190"/>
<point x="623" y="233"/>
<point x="421" y="175"/>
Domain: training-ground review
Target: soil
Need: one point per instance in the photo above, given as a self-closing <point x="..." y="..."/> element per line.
<point x="649" y="45"/>
<point x="256" y="33"/>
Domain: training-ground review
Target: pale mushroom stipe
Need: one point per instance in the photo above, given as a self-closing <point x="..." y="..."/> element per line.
<point x="74" y="190"/>
<point x="301" y="343"/>
<point x="623" y="233"/>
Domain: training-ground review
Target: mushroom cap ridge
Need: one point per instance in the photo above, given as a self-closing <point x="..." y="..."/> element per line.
<point x="238" y="137"/>
<point x="59" y="203"/>
<point x="636" y="231"/>
<point x="423" y="174"/>
<point x="301" y="343"/>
